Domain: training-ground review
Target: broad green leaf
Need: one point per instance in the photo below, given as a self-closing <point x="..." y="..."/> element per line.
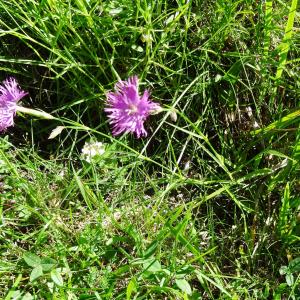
<point x="31" y="259"/>
<point x="27" y="296"/>
<point x="184" y="286"/>
<point x="48" y="264"/>
<point x="15" y="295"/>
<point x="289" y="278"/>
<point x="152" y="265"/>
<point x="36" y="273"/>
<point x="137" y="48"/>
<point x="283" y="270"/>
<point x="56" y="277"/>
<point x="294" y="265"/>
<point x="51" y="286"/>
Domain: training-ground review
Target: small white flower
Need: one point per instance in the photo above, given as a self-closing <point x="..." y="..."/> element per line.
<point x="146" y="38"/>
<point x="92" y="149"/>
<point x="173" y="115"/>
<point x="255" y="125"/>
<point x="249" y="111"/>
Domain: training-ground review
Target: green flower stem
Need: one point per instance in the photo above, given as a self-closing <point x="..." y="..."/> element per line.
<point x="34" y="112"/>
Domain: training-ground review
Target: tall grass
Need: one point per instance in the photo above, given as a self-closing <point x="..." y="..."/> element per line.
<point x="205" y="207"/>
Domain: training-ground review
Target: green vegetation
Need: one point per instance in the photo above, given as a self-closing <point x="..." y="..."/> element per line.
<point x="207" y="206"/>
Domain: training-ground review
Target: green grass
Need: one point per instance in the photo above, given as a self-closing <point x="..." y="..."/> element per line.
<point x="207" y="206"/>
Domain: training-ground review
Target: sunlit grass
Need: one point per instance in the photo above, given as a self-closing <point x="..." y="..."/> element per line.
<point x="205" y="207"/>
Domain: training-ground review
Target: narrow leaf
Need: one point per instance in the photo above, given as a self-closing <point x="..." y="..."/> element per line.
<point x="55" y="132"/>
<point x="282" y="123"/>
<point x="131" y="288"/>
<point x="286" y="42"/>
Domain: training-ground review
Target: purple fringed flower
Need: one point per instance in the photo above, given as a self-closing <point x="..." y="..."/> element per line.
<point x="10" y="94"/>
<point x="127" y="110"/>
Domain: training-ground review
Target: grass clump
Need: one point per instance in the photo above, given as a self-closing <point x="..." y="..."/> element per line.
<point x="205" y="207"/>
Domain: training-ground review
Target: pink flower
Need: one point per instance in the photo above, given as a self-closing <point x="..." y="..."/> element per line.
<point x="10" y="94"/>
<point x="127" y="110"/>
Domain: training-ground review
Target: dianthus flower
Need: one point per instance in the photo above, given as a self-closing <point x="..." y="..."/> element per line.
<point x="127" y="110"/>
<point x="10" y="94"/>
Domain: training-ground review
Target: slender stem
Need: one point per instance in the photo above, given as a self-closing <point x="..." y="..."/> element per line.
<point x="34" y="112"/>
